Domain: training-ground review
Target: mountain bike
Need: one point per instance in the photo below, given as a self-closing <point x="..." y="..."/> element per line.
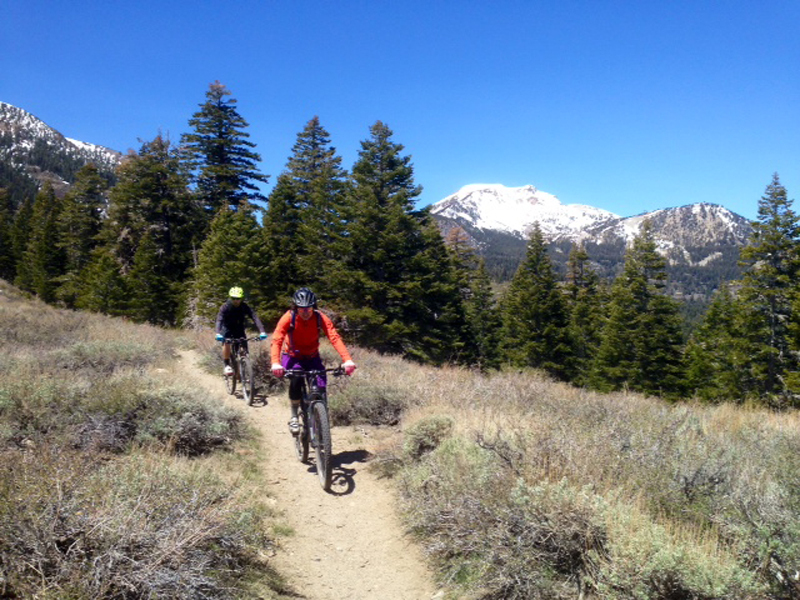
<point x="315" y="425"/>
<point x="242" y="366"/>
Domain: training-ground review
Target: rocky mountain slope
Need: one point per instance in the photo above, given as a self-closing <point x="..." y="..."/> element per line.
<point x="32" y="152"/>
<point x="701" y="242"/>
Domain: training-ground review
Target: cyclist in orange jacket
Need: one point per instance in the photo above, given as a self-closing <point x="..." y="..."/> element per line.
<point x="295" y="344"/>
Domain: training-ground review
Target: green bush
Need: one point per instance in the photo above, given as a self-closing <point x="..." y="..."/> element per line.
<point x="425" y="436"/>
<point x="134" y="410"/>
<point x="642" y="559"/>
<point x="494" y="535"/>
<point x="362" y="401"/>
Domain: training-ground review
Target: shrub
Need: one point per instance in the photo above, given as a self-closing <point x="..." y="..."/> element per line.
<point x="644" y="559"/>
<point x="493" y="534"/>
<point x="426" y="435"/>
<point x="133" y="409"/>
<point x="361" y="401"/>
<point x="137" y="527"/>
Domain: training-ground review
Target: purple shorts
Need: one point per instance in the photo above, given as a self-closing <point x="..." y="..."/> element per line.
<point x="313" y="363"/>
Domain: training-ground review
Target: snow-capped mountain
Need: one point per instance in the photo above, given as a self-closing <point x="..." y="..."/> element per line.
<point x="514" y="210"/>
<point x="701" y="242"/>
<point x="32" y="152"/>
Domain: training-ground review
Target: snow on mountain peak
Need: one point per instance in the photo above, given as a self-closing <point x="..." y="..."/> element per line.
<point x="516" y="209"/>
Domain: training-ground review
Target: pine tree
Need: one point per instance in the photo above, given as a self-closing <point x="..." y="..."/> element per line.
<point x="585" y="300"/>
<point x="401" y="293"/>
<point x="149" y="302"/>
<point x="768" y="291"/>
<point x="79" y="224"/>
<point x="151" y="198"/>
<point x="231" y="255"/>
<point x="535" y="315"/>
<point x="715" y="354"/>
<point x="102" y="287"/>
<point x="641" y="346"/>
<point x="221" y="154"/>
<point x="304" y="226"/>
<point x="20" y="231"/>
<point x="483" y="317"/>
<point x="481" y="330"/>
<point x="42" y="261"/>
<point x="8" y="263"/>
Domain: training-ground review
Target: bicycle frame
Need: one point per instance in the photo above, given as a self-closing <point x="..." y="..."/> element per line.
<point x="242" y="367"/>
<point x="315" y="423"/>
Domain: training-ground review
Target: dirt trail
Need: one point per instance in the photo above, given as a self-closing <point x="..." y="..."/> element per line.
<point x="348" y="544"/>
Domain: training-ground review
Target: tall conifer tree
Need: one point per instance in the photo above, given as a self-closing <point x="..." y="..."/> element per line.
<point x="20" y="230"/>
<point x="221" y="154"/>
<point x="304" y="226"/>
<point x="641" y="346"/>
<point x="401" y="292"/>
<point x="768" y="291"/>
<point x="79" y="225"/>
<point x="8" y="266"/>
<point x="102" y="287"/>
<point x="232" y="255"/>
<point x="42" y="261"/>
<point x="151" y="198"/>
<point x="482" y="323"/>
<point x="586" y="301"/>
<point x="716" y="354"/>
<point x="534" y="313"/>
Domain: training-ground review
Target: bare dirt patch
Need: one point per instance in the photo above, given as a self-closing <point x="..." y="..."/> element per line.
<point x="347" y="544"/>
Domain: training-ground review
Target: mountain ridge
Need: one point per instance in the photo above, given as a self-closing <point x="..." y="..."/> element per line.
<point x="700" y="241"/>
<point x="32" y="153"/>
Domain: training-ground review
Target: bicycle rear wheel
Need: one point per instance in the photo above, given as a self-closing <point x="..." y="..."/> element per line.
<point x="322" y="443"/>
<point x="248" y="390"/>
<point x="301" y="440"/>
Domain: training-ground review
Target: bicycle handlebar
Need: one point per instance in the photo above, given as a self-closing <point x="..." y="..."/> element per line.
<point x="336" y="371"/>
<point x="244" y="339"/>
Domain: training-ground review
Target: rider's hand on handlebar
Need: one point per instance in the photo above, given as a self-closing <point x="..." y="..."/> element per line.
<point x="218" y="337"/>
<point x="277" y="370"/>
<point x="349" y="367"/>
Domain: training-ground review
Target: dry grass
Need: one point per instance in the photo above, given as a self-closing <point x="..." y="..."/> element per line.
<point x="535" y="489"/>
<point x="116" y="479"/>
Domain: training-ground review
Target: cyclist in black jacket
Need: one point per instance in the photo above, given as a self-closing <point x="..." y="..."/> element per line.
<point x="230" y="323"/>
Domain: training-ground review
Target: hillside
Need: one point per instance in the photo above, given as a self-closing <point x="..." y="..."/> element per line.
<point x="510" y="485"/>
<point x="32" y="152"/>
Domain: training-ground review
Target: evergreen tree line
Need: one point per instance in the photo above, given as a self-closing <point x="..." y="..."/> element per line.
<point x="185" y="222"/>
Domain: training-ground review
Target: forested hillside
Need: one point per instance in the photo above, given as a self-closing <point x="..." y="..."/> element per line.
<point x="184" y="222"/>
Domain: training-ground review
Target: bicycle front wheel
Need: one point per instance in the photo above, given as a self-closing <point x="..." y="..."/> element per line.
<point x="248" y="391"/>
<point x="230" y="380"/>
<point x="322" y="444"/>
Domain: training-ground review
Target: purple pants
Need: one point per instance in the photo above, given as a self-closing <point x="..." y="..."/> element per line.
<point x="312" y="363"/>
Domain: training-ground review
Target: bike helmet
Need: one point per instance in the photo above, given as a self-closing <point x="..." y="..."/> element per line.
<point x="304" y="298"/>
<point x="236" y="292"/>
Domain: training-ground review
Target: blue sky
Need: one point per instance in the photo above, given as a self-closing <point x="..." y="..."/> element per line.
<point x="628" y="106"/>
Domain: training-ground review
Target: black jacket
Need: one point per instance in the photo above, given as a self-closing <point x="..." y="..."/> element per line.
<point x="231" y="318"/>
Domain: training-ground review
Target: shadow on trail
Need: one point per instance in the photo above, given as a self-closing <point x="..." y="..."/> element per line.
<point x="260" y="400"/>
<point x="343" y="481"/>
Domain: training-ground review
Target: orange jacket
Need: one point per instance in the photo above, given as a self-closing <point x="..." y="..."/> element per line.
<point x="304" y="340"/>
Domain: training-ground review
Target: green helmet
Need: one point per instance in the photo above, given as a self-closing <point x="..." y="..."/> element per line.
<point x="236" y="292"/>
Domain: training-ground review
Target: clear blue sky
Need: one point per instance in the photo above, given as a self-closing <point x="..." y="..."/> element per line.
<point x="624" y="105"/>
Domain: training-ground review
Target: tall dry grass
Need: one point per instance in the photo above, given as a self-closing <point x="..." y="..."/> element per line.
<point x="116" y="479"/>
<point x="522" y="487"/>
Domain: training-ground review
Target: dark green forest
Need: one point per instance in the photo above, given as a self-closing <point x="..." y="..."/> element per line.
<point x="183" y="222"/>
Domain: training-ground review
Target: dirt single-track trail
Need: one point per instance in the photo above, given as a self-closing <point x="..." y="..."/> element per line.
<point x="346" y="545"/>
